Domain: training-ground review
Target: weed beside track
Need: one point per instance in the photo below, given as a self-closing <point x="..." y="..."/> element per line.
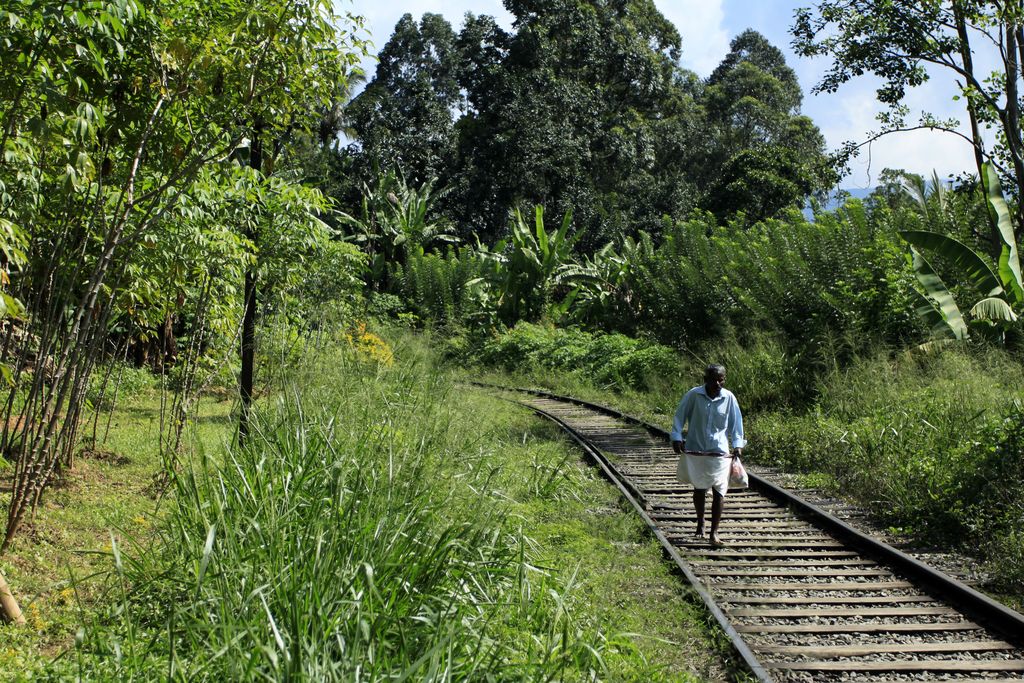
<point x="381" y="524"/>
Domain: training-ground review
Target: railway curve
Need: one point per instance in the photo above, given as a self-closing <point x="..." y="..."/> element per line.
<point x="802" y="595"/>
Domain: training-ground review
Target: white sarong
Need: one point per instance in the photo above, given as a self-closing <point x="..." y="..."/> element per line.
<point x="705" y="471"/>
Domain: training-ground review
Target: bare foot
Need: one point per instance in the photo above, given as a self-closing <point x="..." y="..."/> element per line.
<point x="699" y="533"/>
<point x="715" y="540"/>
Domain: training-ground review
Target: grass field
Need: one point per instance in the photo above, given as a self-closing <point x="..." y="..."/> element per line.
<point x="60" y="562"/>
<point x="384" y="522"/>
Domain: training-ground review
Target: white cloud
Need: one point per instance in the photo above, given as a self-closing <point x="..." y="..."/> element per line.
<point x="701" y="23"/>
<point x="922" y="151"/>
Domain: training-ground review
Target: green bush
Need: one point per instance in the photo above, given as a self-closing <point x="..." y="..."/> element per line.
<point x="383" y="306"/>
<point x="802" y="443"/>
<point x="829" y="288"/>
<point x="762" y="374"/>
<point x="518" y="348"/>
<point x="932" y="444"/>
<point x="609" y="360"/>
<point x="992" y="495"/>
<point x="444" y="290"/>
<point x="117" y="381"/>
<point x="635" y="368"/>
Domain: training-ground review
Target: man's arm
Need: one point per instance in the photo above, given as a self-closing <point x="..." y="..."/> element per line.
<point x="736" y="437"/>
<point x="679" y="421"/>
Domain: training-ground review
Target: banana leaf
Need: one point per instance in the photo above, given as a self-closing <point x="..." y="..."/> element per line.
<point x="999" y="214"/>
<point x="542" y="234"/>
<point x="993" y="308"/>
<point x="969" y="263"/>
<point x="938" y="308"/>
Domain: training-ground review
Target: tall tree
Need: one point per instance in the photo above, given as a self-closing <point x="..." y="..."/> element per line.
<point x="764" y="155"/>
<point x="567" y="111"/>
<point x="301" y="53"/>
<point x="404" y="119"/>
<point x="109" y="112"/>
<point x="905" y="43"/>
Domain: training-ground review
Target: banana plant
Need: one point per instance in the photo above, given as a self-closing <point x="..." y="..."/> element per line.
<point x="524" y="269"/>
<point x="604" y="281"/>
<point x="999" y="286"/>
<point x="393" y="221"/>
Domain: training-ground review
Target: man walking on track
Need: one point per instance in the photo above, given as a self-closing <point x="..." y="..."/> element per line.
<point x="713" y="420"/>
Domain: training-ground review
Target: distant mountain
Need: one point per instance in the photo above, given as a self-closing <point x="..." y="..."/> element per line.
<point x="834" y="203"/>
<point x="855" y="192"/>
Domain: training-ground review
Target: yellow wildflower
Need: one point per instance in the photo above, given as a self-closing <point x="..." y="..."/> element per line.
<point x="370" y="347"/>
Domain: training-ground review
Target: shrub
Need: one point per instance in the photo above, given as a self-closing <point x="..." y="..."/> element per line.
<point x="634" y="368"/>
<point x="117" y="381"/>
<point x="834" y="285"/>
<point x="931" y="444"/>
<point x="807" y="443"/>
<point x="383" y="306"/>
<point x="439" y="289"/>
<point x="611" y="360"/>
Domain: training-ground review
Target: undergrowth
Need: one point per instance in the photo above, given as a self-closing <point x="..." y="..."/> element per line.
<point x="380" y="526"/>
<point x="930" y="443"/>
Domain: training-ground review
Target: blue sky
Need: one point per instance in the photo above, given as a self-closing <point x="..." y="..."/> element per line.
<point x="706" y="27"/>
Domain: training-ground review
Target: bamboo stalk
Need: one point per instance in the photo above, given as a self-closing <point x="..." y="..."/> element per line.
<point x="9" y="610"/>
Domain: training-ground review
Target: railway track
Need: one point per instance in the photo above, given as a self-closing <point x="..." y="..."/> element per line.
<point x="802" y="596"/>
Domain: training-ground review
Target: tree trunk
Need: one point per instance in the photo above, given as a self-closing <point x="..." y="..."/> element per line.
<point x="248" y="351"/>
<point x="979" y="157"/>
<point x="9" y="611"/>
<point x="248" y="346"/>
<point x="1013" y="133"/>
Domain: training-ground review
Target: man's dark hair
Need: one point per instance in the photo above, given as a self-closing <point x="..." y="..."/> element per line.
<point x="714" y="369"/>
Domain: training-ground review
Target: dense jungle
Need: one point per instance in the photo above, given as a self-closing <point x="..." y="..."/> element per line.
<point x="244" y="284"/>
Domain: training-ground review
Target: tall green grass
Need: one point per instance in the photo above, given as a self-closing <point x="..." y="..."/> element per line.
<point x="932" y="444"/>
<point x="356" y="537"/>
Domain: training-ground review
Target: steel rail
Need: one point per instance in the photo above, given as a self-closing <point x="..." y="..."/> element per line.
<point x="1000" y="618"/>
<point x="629" y="493"/>
<point x="984" y="610"/>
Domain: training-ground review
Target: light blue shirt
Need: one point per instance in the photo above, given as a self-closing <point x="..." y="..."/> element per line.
<point x="713" y="422"/>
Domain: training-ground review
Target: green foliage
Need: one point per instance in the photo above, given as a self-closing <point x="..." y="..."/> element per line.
<point x="763" y="156"/>
<point x="117" y="118"/>
<point x="443" y="289"/>
<point x="1000" y="288"/>
<point x="605" y="282"/>
<point x="827" y="287"/>
<point x="385" y="306"/>
<point x="612" y="360"/>
<point x="395" y="222"/>
<point x="119" y="381"/>
<point x="329" y="288"/>
<point x="403" y="119"/>
<point x="895" y="40"/>
<point x="930" y="443"/>
<point x="581" y="107"/>
<point x="358" y="536"/>
<point x="822" y="290"/>
<point x="992" y="486"/>
<point x="524" y="271"/>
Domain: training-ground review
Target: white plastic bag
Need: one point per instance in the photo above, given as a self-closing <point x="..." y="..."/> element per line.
<point x="682" y="471"/>
<point x="738" y="478"/>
